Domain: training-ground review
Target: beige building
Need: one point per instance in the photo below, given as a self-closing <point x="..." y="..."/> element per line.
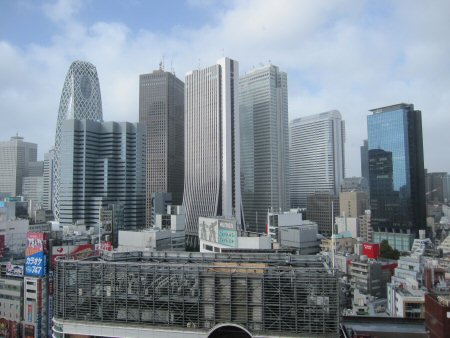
<point x="353" y="203"/>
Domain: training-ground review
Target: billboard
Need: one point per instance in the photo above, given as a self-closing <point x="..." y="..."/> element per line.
<point x="228" y="233"/>
<point x="72" y="252"/>
<point x="371" y="250"/>
<point x="14" y="270"/>
<point x="218" y="231"/>
<point x="36" y="254"/>
<point x="106" y="246"/>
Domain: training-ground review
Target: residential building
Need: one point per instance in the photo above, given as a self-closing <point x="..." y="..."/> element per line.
<point x="396" y="169"/>
<point x="15" y="158"/>
<point x="370" y="276"/>
<point x="212" y="185"/>
<point x="80" y="99"/>
<point x="102" y="163"/>
<point x="365" y="226"/>
<point x="316" y="159"/>
<point x="161" y="111"/>
<point x="322" y="208"/>
<point x="264" y="137"/>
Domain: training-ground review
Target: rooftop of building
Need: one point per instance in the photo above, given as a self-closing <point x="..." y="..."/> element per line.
<point x="391" y="108"/>
<point x="262" y="259"/>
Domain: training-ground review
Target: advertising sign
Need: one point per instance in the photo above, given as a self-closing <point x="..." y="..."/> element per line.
<point x="72" y="252"/>
<point x="14" y="270"/>
<point x="208" y="229"/>
<point x="371" y="250"/>
<point x="106" y="246"/>
<point x="36" y="258"/>
<point x="228" y="237"/>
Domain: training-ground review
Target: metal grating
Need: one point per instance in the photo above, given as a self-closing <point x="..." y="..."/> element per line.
<point x="299" y="298"/>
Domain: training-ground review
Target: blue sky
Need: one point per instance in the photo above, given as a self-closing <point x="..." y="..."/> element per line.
<point x="348" y="55"/>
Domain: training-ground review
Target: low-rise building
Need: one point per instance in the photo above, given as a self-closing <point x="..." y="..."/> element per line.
<point x="217" y="233"/>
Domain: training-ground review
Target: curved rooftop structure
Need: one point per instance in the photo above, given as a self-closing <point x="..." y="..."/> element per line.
<point x="80" y="99"/>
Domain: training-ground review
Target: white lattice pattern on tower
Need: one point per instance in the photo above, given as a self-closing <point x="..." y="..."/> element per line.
<point x="80" y="99"/>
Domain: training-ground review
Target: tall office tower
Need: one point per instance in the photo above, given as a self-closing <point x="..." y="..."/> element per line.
<point x="264" y="126"/>
<point x="80" y="99"/>
<point x="436" y="187"/>
<point x="33" y="184"/>
<point x="161" y="110"/>
<point x="49" y="160"/>
<point x="396" y="170"/>
<point x="15" y="156"/>
<point x="212" y="185"/>
<point x="316" y="155"/>
<point x="102" y="163"/>
<point x="365" y="160"/>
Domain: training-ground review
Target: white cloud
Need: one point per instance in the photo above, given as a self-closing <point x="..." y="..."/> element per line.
<point x="346" y="55"/>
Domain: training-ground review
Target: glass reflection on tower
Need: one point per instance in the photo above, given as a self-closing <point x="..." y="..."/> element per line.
<point x="396" y="169"/>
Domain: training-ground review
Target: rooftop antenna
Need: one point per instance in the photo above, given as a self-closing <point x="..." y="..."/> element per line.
<point x="171" y="67"/>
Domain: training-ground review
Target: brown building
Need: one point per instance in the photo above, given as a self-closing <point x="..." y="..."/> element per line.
<point x="437" y="312"/>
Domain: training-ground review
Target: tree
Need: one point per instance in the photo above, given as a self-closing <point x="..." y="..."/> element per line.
<point x="387" y="252"/>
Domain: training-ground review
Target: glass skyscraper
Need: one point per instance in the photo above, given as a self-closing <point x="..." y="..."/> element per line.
<point x="396" y="169"/>
<point x="264" y="144"/>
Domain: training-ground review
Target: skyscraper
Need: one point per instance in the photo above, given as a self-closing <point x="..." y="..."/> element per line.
<point x="161" y="110"/>
<point x="396" y="169"/>
<point x="264" y="120"/>
<point x="212" y="149"/>
<point x="316" y="155"/>
<point x="102" y="164"/>
<point x="15" y="157"/>
<point x="80" y="99"/>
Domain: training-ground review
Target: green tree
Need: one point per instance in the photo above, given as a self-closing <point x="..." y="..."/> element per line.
<point x="387" y="252"/>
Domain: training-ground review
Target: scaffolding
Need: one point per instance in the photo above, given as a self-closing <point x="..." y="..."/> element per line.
<point x="275" y="294"/>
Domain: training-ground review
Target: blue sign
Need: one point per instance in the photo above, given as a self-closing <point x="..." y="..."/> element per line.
<point x="228" y="237"/>
<point x="36" y="264"/>
<point x="2" y="204"/>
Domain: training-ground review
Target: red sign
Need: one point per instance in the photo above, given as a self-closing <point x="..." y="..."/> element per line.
<point x="72" y="252"/>
<point x="371" y="250"/>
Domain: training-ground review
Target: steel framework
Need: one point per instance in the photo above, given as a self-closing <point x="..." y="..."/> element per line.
<point x="266" y="293"/>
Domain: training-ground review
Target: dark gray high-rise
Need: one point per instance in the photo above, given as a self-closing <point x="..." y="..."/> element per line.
<point x="396" y="169"/>
<point x="161" y="110"/>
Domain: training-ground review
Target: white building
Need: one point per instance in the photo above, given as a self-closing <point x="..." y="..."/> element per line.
<point x="316" y="155"/>
<point x="212" y="185"/>
<point x="350" y="224"/>
<point x="218" y="233"/>
<point x="15" y="156"/>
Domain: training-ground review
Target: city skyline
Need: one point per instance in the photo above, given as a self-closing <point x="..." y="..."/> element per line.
<point x="350" y="56"/>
